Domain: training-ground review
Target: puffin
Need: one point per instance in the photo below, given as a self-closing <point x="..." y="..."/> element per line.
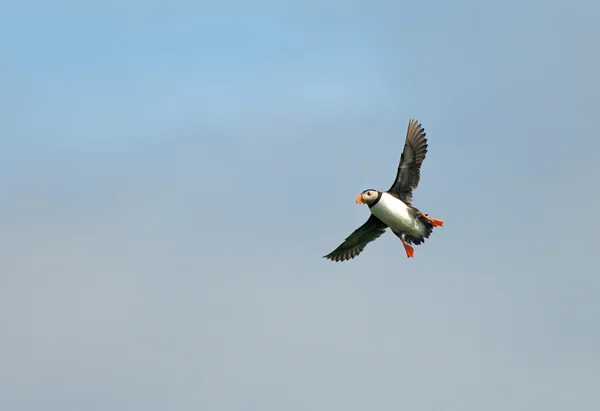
<point x="393" y="208"/>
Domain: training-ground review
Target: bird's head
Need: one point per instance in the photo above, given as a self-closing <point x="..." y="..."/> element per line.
<point x="367" y="197"/>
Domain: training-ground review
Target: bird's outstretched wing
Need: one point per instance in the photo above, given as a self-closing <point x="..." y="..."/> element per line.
<point x="409" y="169"/>
<point x="356" y="242"/>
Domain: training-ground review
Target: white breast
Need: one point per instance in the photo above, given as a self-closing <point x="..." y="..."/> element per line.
<point x="396" y="215"/>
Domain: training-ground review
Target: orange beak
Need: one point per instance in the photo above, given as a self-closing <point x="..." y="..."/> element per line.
<point x="359" y="199"/>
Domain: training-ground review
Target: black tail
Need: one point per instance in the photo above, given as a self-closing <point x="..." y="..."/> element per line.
<point x="420" y="240"/>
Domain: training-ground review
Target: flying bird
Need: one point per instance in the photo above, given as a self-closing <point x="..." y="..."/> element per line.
<point x="393" y="208"/>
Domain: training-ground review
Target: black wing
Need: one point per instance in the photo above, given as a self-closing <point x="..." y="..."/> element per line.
<point x="356" y="242"/>
<point x="409" y="169"/>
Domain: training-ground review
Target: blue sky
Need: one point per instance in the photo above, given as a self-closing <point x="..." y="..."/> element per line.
<point x="173" y="173"/>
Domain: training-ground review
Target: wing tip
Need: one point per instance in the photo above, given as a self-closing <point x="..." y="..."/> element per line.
<point x="416" y="124"/>
<point x="337" y="258"/>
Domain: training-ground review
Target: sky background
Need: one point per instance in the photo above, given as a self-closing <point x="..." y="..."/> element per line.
<point x="172" y="173"/>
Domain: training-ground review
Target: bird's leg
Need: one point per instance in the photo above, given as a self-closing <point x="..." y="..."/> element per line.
<point x="434" y="222"/>
<point x="410" y="252"/>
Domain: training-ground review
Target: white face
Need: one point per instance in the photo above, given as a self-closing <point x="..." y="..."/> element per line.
<point x="368" y="196"/>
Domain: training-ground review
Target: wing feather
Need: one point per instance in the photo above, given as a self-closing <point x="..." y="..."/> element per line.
<point x="355" y="243"/>
<point x="409" y="169"/>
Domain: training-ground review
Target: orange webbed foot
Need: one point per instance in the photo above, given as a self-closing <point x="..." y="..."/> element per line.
<point x="434" y="222"/>
<point x="410" y="252"/>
